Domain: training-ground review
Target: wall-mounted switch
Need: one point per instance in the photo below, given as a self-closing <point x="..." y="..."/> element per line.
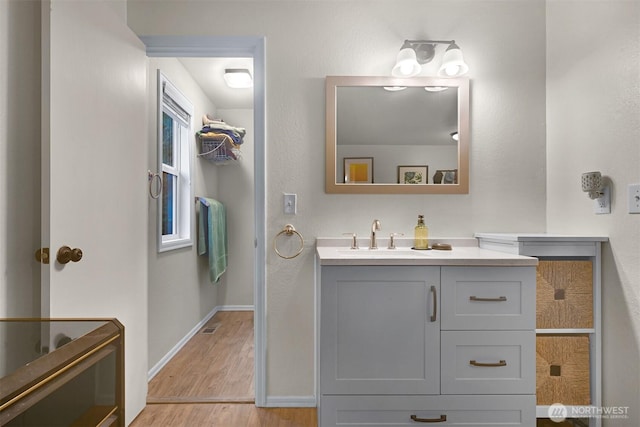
<point x="634" y="198"/>
<point x="290" y="204"/>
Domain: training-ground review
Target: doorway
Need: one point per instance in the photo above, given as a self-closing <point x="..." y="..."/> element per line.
<point x="245" y="47"/>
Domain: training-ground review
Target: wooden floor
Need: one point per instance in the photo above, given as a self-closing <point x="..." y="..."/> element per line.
<point x="211" y="367"/>
<point x="224" y="415"/>
<point x="210" y="383"/>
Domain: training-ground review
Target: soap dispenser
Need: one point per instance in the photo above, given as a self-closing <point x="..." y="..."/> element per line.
<point x="421" y="235"/>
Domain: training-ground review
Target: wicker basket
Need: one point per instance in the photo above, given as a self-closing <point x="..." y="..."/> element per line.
<point x="218" y="149"/>
<point x="562" y="370"/>
<point x="564" y="294"/>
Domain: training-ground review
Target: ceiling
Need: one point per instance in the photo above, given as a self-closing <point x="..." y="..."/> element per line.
<point x="209" y="72"/>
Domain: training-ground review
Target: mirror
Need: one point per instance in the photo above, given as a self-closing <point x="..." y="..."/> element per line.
<point x="387" y="135"/>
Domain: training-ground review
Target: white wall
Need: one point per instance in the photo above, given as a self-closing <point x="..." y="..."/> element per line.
<point x="504" y="44"/>
<point x="180" y="293"/>
<point x="19" y="158"/>
<point x="593" y="123"/>
<point x="236" y="190"/>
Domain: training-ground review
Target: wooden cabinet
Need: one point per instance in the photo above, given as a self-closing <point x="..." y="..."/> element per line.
<point x="407" y="344"/>
<point x="568" y="318"/>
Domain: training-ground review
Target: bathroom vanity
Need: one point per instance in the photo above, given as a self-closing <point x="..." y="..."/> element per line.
<point x="409" y="337"/>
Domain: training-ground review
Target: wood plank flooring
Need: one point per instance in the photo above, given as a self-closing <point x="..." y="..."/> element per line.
<point x="211" y="367"/>
<point x="210" y="383"/>
<point x="224" y="415"/>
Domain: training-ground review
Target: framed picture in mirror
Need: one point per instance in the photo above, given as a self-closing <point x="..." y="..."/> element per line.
<point x="446" y="176"/>
<point x="358" y="170"/>
<point x="413" y="174"/>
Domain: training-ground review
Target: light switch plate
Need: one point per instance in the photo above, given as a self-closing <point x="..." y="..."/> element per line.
<point x="290" y="204"/>
<point x="634" y="198"/>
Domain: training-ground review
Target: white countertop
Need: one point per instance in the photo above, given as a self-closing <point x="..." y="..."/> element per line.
<point x="540" y="237"/>
<point x="464" y="253"/>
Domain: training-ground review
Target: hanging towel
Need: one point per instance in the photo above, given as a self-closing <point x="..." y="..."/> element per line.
<point x="212" y="236"/>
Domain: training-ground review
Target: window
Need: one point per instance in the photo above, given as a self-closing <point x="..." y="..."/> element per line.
<point x="175" y="208"/>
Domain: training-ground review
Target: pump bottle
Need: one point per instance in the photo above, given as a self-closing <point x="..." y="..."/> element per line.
<point x="421" y="234"/>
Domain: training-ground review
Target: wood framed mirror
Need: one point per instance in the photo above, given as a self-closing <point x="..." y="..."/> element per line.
<point x="386" y="135"/>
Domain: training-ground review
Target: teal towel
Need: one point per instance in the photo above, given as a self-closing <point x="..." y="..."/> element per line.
<point x="212" y="236"/>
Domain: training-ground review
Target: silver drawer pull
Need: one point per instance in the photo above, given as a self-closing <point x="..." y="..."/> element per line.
<point x="442" y="419"/>
<point x="475" y="298"/>
<point x="490" y="365"/>
<point x="434" y="294"/>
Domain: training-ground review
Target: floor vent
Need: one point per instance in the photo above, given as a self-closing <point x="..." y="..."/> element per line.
<point x="210" y="329"/>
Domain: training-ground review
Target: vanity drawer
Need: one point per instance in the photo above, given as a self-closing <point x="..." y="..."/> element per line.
<point x="488" y="298"/>
<point x="387" y="411"/>
<point x="488" y="362"/>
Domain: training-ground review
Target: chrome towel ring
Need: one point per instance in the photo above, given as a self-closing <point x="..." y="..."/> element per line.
<point x="151" y="176"/>
<point x="288" y="230"/>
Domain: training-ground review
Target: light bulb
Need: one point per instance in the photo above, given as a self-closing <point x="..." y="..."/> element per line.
<point x="452" y="70"/>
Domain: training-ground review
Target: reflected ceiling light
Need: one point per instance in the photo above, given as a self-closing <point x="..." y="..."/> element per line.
<point x="435" y="88"/>
<point x="415" y="53"/>
<point x="394" y="88"/>
<point x="454" y="135"/>
<point x="238" y="78"/>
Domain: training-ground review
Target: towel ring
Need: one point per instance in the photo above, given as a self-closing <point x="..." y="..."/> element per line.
<point x="151" y="177"/>
<point x="289" y="230"/>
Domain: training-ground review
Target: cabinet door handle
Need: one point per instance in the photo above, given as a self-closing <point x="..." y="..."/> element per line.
<point x="491" y="365"/>
<point x="442" y="419"/>
<point x="475" y="298"/>
<point x="434" y="295"/>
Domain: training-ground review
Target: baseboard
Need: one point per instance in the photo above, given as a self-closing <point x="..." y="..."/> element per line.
<point x="176" y="348"/>
<point x="235" y="308"/>
<point x="290" y="402"/>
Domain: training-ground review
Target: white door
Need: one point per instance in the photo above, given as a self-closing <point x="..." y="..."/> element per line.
<point x="94" y="174"/>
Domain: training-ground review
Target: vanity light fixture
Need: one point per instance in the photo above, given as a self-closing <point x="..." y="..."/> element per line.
<point x="454" y="135"/>
<point x="238" y="78"/>
<point x="415" y="53"/>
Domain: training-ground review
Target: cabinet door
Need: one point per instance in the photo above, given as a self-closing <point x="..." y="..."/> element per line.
<point x="380" y="330"/>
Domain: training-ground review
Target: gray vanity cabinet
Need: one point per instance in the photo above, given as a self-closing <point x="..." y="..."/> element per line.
<point x="380" y="330"/>
<point x="410" y="344"/>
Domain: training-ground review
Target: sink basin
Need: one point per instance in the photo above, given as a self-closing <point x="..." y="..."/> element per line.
<point x="382" y="253"/>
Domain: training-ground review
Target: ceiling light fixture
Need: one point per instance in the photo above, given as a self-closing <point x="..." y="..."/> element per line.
<point x="415" y="53"/>
<point x="238" y="78"/>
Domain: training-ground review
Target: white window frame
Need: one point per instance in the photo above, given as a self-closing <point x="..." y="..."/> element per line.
<point x="182" y="235"/>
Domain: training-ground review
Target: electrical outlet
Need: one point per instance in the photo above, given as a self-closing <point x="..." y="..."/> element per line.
<point x="634" y="198"/>
<point x="602" y="205"/>
<point x="290" y="204"/>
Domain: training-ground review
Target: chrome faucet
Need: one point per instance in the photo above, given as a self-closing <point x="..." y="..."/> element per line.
<point x="375" y="226"/>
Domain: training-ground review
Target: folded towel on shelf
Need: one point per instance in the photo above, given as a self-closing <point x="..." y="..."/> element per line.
<point x="212" y="236"/>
